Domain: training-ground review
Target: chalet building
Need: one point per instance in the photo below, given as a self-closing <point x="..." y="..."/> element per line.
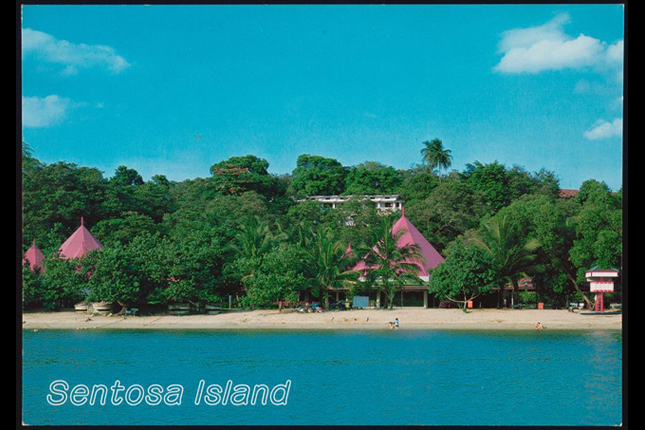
<point x="384" y="203"/>
<point x="431" y="259"/>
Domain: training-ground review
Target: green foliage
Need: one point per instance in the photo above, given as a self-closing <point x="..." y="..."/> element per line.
<point x="598" y="227"/>
<point x="326" y="263"/>
<point x="492" y="181"/>
<point x="372" y="178"/>
<point x="278" y="276"/>
<point x="467" y="273"/>
<point x="356" y="221"/>
<point x="203" y="238"/>
<point x="451" y="209"/>
<point x="56" y="196"/>
<point x="238" y="175"/>
<point x="117" y="276"/>
<point x="512" y="254"/>
<point x="32" y="287"/>
<point x="388" y="266"/>
<point x="316" y="175"/>
<point x="65" y="282"/>
<point x="114" y="231"/>
<point x="434" y="155"/>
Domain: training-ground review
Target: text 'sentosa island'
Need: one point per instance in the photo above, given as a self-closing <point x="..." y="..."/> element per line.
<point x="171" y="395"/>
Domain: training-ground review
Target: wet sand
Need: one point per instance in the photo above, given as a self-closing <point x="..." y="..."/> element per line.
<point x="361" y="319"/>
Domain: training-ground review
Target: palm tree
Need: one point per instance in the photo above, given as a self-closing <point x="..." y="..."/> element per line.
<point x="255" y="237"/>
<point x="327" y="263"/>
<point x="514" y="255"/>
<point x="435" y="156"/>
<point x="389" y="266"/>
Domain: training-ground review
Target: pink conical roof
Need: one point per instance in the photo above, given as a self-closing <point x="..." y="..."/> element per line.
<point x="79" y="243"/>
<point x="411" y="235"/>
<point x="35" y="257"/>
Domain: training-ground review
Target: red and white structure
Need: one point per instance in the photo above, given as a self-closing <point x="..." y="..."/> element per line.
<point x="600" y="282"/>
<point x="79" y="243"/>
<point x="34" y="257"/>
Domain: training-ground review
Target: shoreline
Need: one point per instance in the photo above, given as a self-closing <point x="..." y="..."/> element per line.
<point x="362" y="320"/>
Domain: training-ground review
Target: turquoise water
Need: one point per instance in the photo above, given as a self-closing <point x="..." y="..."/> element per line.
<point x="337" y="377"/>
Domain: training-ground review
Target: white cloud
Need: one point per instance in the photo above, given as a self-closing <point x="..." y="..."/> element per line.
<point x="548" y="47"/>
<point x="605" y="130"/>
<point x="44" y="112"/>
<point x="71" y="55"/>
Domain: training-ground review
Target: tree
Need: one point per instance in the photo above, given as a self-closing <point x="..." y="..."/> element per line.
<point x="542" y="217"/>
<point x="388" y="266"/>
<point x="278" y="276"/>
<point x="123" y="230"/>
<point x="492" y="181"/>
<point x="56" y="196"/>
<point x="65" y="282"/>
<point x="238" y="175"/>
<point x="191" y="268"/>
<point x="117" y="276"/>
<point x="435" y="156"/>
<point x="356" y="221"/>
<point x="124" y="177"/>
<point x="513" y="255"/>
<point x="316" y="175"/>
<point x="372" y="178"/>
<point x="417" y="185"/>
<point x="254" y="238"/>
<point x="451" y="209"/>
<point x="327" y="263"/>
<point x="598" y="229"/>
<point x="32" y="287"/>
<point x="466" y="274"/>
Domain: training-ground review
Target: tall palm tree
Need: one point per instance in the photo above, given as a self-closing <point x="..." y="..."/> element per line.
<point x="327" y="263"/>
<point x="514" y="254"/>
<point x="388" y="266"/>
<point x="435" y="155"/>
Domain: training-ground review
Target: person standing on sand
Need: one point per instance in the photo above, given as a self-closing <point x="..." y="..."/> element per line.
<point x="396" y="323"/>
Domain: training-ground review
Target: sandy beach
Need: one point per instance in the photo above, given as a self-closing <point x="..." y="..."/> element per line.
<point x="364" y="319"/>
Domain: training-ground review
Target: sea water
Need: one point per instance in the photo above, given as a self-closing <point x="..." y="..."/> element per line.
<point x="385" y="377"/>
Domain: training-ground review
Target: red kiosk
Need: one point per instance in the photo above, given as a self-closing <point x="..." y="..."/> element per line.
<point x="601" y="281"/>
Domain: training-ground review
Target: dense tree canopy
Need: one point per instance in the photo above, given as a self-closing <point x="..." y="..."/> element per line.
<point x="244" y="231"/>
<point x="316" y="175"/>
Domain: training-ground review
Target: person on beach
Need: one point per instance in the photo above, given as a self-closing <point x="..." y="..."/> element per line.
<point x="391" y="325"/>
<point x="539" y="326"/>
<point x="396" y="323"/>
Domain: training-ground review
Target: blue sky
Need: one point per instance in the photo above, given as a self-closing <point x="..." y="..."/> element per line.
<point x="174" y="89"/>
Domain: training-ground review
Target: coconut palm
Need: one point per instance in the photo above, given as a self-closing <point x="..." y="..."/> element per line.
<point x="255" y="237"/>
<point x="389" y="266"/>
<point x="513" y="254"/>
<point x="327" y="263"/>
<point x="435" y="155"/>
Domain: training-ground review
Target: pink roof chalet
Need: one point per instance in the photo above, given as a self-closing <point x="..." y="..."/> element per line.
<point x="35" y="258"/>
<point x="413" y="236"/>
<point x="79" y="243"/>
